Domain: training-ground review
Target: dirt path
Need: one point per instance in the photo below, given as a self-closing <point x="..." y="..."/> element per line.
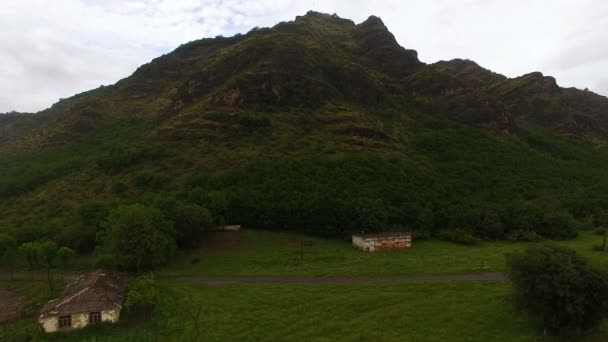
<point x="9" y="303"/>
<point x="225" y="280"/>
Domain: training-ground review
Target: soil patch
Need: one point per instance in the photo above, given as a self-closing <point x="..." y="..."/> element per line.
<point x="222" y="242"/>
<point x="9" y="304"/>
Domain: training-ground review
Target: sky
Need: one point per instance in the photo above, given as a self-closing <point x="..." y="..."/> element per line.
<point x="55" y="49"/>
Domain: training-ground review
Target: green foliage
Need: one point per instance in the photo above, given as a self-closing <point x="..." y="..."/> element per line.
<point x="139" y="237"/>
<point x="190" y="222"/>
<point x="143" y="290"/>
<point x="8" y="251"/>
<point x="523" y="235"/>
<point x="64" y="254"/>
<point x="151" y="181"/>
<point x="45" y="254"/>
<point x="458" y="235"/>
<point x="343" y="146"/>
<point x="27" y="171"/>
<point x="559" y="288"/>
<point x="30" y="253"/>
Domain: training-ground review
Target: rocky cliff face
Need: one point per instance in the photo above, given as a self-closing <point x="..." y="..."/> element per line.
<point x="315" y="61"/>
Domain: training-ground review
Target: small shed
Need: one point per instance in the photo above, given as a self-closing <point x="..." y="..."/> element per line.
<point x="92" y="298"/>
<point x="382" y="241"/>
<point x="229" y="228"/>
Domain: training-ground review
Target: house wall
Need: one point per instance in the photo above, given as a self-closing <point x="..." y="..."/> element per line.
<point x="112" y="315"/>
<point x="79" y="320"/>
<point x="375" y="244"/>
<point x="359" y="242"/>
<point x="50" y="324"/>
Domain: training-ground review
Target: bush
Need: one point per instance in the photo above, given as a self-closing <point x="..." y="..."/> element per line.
<point x="119" y="188"/>
<point x="139" y="237"/>
<point x="459" y="236"/>
<point x="148" y="180"/>
<point x="558" y="225"/>
<point x="559" y="288"/>
<point x="523" y="235"/>
<point x="106" y="261"/>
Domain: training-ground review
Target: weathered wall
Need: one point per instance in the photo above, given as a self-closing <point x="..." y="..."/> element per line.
<point x="382" y="243"/>
<point x="79" y="320"/>
<point x="111" y="315"/>
<point x="360" y="243"/>
<point x="49" y="324"/>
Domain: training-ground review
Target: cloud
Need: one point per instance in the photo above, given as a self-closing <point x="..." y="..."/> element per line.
<point x="56" y="49"/>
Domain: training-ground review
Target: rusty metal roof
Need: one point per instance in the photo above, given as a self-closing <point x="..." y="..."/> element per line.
<point x="383" y="235"/>
<point x="95" y="291"/>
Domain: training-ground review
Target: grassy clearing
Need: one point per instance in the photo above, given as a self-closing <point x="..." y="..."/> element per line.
<point x="33" y="294"/>
<point x="408" y="312"/>
<point x="252" y="252"/>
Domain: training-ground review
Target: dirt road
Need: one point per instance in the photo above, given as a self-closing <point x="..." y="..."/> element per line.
<point x="225" y="280"/>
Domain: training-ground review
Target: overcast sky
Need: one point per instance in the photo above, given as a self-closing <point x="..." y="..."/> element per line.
<point x="55" y="49"/>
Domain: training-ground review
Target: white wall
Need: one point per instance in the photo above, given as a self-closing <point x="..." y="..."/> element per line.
<point x="79" y="320"/>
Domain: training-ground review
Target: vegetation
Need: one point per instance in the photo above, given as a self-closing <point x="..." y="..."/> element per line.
<point x="45" y="254"/>
<point x="315" y="128"/>
<point x="559" y="288"/>
<point x="267" y="253"/>
<point x="431" y="312"/>
<point x="139" y="237"/>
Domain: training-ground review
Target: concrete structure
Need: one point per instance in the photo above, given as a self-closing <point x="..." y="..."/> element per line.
<point x="92" y="298"/>
<point x="382" y="241"/>
<point x="230" y="228"/>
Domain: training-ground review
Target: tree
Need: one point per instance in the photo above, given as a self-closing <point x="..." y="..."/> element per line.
<point x="142" y="296"/>
<point x="191" y="221"/>
<point x="8" y="252"/>
<point x="559" y="288"/>
<point x="28" y="251"/>
<point x="64" y="254"/>
<point x="46" y="253"/>
<point x="139" y="237"/>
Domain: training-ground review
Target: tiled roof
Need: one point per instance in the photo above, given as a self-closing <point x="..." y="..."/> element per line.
<point x="95" y="291"/>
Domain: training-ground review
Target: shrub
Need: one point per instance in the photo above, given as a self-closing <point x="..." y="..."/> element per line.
<point x="106" y="261"/>
<point x="119" y="188"/>
<point x="559" y="288"/>
<point x="148" y="180"/>
<point x="557" y="225"/>
<point x="523" y="235"/>
<point x="139" y="237"/>
<point x="459" y="236"/>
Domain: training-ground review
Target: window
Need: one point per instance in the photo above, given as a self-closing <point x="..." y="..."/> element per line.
<point x="65" y="321"/>
<point x="94" y="317"/>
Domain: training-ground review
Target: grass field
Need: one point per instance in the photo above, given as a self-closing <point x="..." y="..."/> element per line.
<point x="252" y="252"/>
<point x="454" y="311"/>
<point x="409" y="312"/>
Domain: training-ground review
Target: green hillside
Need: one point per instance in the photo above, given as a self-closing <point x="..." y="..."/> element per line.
<point x="318" y="125"/>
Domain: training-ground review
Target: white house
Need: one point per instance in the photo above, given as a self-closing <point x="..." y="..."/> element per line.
<point x="92" y="298"/>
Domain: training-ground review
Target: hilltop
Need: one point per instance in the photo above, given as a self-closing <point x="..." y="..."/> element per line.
<point x="317" y="124"/>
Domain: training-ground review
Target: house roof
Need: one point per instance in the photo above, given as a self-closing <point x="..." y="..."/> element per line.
<point x="95" y="291"/>
<point x="383" y="235"/>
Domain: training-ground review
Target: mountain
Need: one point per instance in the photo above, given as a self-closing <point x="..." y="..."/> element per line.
<point x="321" y="109"/>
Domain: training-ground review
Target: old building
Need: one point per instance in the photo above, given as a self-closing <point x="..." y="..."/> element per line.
<point x="382" y="241"/>
<point x="229" y="228"/>
<point x="92" y="298"/>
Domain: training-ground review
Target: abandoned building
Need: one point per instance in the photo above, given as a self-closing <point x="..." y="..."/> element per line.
<point x="92" y="298"/>
<point x="382" y="241"/>
<point x="229" y="228"/>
